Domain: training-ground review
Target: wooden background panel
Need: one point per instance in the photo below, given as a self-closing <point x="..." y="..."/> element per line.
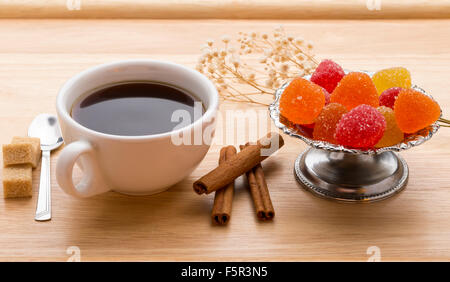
<point x="37" y="56"/>
<point x="226" y="9"/>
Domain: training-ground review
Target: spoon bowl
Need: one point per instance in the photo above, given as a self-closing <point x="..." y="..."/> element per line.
<point x="46" y="128"/>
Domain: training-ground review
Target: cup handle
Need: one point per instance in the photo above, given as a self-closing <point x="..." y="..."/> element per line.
<point x="92" y="182"/>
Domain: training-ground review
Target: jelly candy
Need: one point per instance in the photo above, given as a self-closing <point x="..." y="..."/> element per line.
<point x="327" y="75"/>
<point x="354" y="89"/>
<point x="392" y="135"/>
<point x="362" y="127"/>
<point x="327" y="121"/>
<point x="311" y="125"/>
<point x="392" y="77"/>
<point x="387" y="98"/>
<point x="415" y="110"/>
<point x="302" y="101"/>
<point x="327" y="97"/>
<point x="303" y="130"/>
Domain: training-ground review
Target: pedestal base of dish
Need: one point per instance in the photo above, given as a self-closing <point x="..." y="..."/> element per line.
<point x="351" y="177"/>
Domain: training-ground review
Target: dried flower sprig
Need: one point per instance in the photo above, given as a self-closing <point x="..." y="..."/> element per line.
<point x="260" y="64"/>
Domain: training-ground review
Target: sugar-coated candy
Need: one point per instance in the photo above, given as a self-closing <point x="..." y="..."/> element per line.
<point x="392" y="135"/>
<point x="387" y="98"/>
<point x="327" y="97"/>
<point x="326" y="122"/>
<point x="362" y="127"/>
<point x="305" y="131"/>
<point x="356" y="88"/>
<point x="311" y="125"/>
<point x="391" y="77"/>
<point x="302" y="101"/>
<point x="415" y="110"/>
<point x="328" y="74"/>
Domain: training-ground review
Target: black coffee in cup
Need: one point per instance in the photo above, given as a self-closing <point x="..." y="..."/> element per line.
<point x="134" y="108"/>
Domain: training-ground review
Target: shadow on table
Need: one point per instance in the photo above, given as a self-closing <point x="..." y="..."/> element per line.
<point x="116" y="217"/>
<point x="388" y="217"/>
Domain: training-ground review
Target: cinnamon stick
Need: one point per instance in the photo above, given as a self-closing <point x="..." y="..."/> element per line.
<point x="223" y="198"/>
<point x="239" y="164"/>
<point x="259" y="192"/>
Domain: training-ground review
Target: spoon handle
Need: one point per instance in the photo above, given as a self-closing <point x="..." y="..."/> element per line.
<point x="44" y="207"/>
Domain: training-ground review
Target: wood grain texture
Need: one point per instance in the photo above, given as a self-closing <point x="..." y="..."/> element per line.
<point x="226" y="9"/>
<point x="37" y="56"/>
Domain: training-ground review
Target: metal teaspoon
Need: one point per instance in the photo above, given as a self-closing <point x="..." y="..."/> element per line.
<point x="46" y="128"/>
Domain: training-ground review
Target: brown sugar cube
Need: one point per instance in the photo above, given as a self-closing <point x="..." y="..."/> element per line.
<point x="19" y="153"/>
<point x="17" y="181"/>
<point x="36" y="147"/>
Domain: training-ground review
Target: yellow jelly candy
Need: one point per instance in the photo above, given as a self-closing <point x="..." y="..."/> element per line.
<point x="392" y="77"/>
<point x="392" y="135"/>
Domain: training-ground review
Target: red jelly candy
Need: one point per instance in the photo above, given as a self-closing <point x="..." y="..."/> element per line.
<point x="362" y="127"/>
<point x="387" y="98"/>
<point x="328" y="74"/>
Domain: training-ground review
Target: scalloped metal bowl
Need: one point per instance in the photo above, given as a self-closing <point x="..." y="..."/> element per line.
<point x="345" y="174"/>
<point x="409" y="142"/>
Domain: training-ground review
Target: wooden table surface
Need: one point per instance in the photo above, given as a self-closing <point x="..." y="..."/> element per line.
<point x="226" y="9"/>
<point x="37" y="56"/>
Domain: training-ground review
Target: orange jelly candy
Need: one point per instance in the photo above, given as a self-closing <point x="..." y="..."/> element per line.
<point x="327" y="121"/>
<point x="392" y="135"/>
<point x="302" y="101"/>
<point x="415" y="110"/>
<point x="356" y="88"/>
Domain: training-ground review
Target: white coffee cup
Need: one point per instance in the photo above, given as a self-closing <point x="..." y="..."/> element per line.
<point x="136" y="165"/>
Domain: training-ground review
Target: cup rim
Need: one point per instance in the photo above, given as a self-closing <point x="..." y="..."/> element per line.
<point x="208" y="115"/>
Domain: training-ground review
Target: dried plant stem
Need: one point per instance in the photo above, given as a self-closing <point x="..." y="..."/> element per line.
<point x="306" y="54"/>
<point x="241" y="77"/>
<point x="281" y="57"/>
<point x="444" y="122"/>
<point x="235" y="96"/>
